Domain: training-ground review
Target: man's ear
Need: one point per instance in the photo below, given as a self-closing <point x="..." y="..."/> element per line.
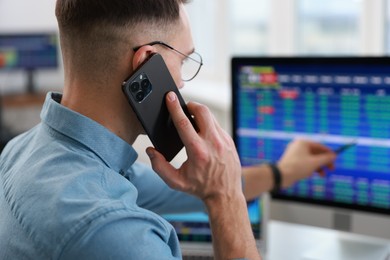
<point x="142" y="54"/>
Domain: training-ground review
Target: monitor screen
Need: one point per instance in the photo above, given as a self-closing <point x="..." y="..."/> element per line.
<point x="195" y="227"/>
<point x="28" y="51"/>
<point x="334" y="101"/>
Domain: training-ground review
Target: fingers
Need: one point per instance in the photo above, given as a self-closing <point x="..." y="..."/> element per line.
<point x="212" y="167"/>
<point x="325" y="158"/>
<point x="322" y="154"/>
<point x="183" y="125"/>
<point x="203" y="118"/>
<point x="164" y="169"/>
<point x="331" y="166"/>
<point x="310" y="156"/>
<point x="208" y="124"/>
<point x="322" y="171"/>
<point x="194" y="141"/>
<point x="317" y="148"/>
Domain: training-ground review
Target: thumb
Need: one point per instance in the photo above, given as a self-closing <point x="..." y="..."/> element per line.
<point x="163" y="168"/>
<point x="323" y="160"/>
<point x="326" y="158"/>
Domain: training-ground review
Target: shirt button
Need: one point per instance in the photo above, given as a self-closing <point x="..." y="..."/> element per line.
<point x="121" y="172"/>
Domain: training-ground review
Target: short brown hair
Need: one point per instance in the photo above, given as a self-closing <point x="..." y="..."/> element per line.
<point x="92" y="31"/>
<point x="81" y="14"/>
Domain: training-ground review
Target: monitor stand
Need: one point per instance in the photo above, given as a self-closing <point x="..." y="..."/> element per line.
<point x="30" y="88"/>
<point x="349" y="247"/>
<point x="5" y="134"/>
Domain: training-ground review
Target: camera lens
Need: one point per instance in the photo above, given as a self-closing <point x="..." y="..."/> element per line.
<point x="134" y="87"/>
<point x="140" y="96"/>
<point x="145" y="84"/>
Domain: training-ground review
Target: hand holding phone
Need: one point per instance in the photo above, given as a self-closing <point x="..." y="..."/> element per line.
<point x="145" y="90"/>
<point x="211" y="172"/>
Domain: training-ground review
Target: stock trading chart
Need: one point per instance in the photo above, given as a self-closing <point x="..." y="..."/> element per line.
<point x="332" y="105"/>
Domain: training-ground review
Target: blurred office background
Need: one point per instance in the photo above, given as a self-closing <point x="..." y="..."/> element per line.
<point x="223" y="29"/>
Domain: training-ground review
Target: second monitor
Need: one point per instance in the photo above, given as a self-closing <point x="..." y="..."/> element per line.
<point x="334" y="101"/>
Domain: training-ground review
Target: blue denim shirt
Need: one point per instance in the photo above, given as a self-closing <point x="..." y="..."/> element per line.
<point x="71" y="189"/>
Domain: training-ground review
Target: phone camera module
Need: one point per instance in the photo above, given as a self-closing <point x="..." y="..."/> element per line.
<point x="140" y="88"/>
<point x="140" y="96"/>
<point x="134" y="87"/>
<point x="145" y="84"/>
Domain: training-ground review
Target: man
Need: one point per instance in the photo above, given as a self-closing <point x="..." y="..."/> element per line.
<point x="70" y="188"/>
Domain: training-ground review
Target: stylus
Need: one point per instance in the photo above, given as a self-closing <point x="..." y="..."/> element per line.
<point x="344" y="147"/>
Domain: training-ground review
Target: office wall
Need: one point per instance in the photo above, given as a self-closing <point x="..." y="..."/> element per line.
<point x="28" y="16"/>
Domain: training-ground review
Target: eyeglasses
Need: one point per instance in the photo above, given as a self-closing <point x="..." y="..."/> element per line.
<point x="191" y="64"/>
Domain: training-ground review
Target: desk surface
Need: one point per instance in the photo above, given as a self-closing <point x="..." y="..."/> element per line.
<point x="22" y="100"/>
<point x="299" y="242"/>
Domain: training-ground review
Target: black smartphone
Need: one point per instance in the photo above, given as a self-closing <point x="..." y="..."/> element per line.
<point x="145" y="90"/>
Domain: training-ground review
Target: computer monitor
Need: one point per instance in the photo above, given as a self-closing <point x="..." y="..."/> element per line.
<point x="332" y="100"/>
<point x="195" y="226"/>
<point x="28" y="52"/>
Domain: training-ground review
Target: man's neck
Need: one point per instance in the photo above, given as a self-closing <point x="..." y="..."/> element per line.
<point x="107" y="106"/>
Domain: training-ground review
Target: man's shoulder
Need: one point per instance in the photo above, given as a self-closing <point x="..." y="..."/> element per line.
<point x="59" y="201"/>
<point x="137" y="235"/>
<point x="84" y="210"/>
<point x="56" y="188"/>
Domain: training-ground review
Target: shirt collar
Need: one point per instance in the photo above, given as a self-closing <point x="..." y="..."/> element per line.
<point x="114" y="151"/>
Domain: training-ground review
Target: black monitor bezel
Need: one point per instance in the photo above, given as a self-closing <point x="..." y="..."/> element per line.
<point x="236" y="62"/>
